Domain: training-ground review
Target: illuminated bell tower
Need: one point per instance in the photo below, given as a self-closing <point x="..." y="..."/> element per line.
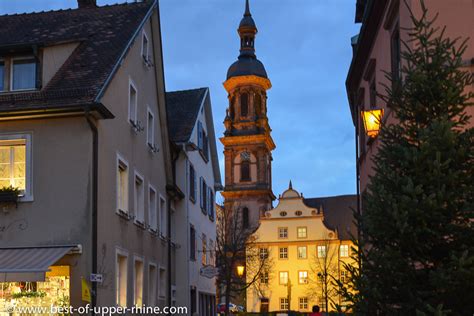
<point x="247" y="140"/>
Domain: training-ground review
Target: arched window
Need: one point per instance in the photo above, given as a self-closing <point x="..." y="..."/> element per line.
<point x="232" y="105"/>
<point x="244" y="104"/>
<point x="245" y="171"/>
<point x="245" y="217"/>
<point x="258" y="104"/>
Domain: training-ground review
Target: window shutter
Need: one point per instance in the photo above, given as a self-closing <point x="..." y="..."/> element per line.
<point x="209" y="201"/>
<point x="201" y="186"/>
<point x="200" y="139"/>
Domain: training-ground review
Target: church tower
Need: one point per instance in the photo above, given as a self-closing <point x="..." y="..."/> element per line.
<point x="247" y="140"/>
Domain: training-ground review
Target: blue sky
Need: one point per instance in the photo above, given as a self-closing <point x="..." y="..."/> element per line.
<point x="305" y="47"/>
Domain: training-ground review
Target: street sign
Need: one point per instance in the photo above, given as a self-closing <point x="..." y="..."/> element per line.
<point x="209" y="271"/>
<point x="96" y="278"/>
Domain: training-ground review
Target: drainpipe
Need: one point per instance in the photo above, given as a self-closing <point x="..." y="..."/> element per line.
<point x="95" y="168"/>
<point x="357" y="131"/>
<point x="173" y="167"/>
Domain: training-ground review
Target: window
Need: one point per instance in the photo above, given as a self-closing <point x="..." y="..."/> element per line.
<point x="322" y="303"/>
<point x="23" y="74"/>
<point x="145" y="47"/>
<point x="322" y="251"/>
<point x="138" y="282"/>
<point x="303" y="303"/>
<point x="139" y="199"/>
<point x="283" y="252"/>
<point x="132" y="103"/>
<point x="284" y="277"/>
<point x="2" y="75"/>
<point x="283" y="232"/>
<point x="263" y="253"/>
<point x="264" y="277"/>
<point x="396" y="55"/>
<point x="344" y="250"/>
<point x="163" y="217"/>
<point x="150" y="130"/>
<point x="245" y="171"/>
<point x="258" y="104"/>
<point x="302" y="252"/>
<point x="121" y="279"/>
<point x="301" y="232"/>
<point x="192" y="183"/>
<point x="302" y="277"/>
<point x="192" y="243"/>
<point x="152" y="277"/>
<point x="122" y="185"/>
<point x="162" y="289"/>
<point x="204" y="250"/>
<point x="15" y="163"/>
<point x="203" y="199"/>
<point x="373" y="93"/>
<point x="210" y="207"/>
<point x="245" y="217"/>
<point x="203" y="142"/>
<point x="283" y="303"/>
<point x="152" y="208"/>
<point x="344" y="276"/>
<point x="244" y="104"/>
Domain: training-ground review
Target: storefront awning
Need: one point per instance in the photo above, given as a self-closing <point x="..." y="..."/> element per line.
<point x="28" y="264"/>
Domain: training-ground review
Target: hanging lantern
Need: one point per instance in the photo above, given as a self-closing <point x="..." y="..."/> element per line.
<point x="240" y="270"/>
<point x="372" y="121"/>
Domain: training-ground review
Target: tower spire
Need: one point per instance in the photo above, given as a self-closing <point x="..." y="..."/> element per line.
<point x="247" y="8"/>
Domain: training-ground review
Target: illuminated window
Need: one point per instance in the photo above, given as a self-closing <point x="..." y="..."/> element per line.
<point x="302" y="277"/>
<point x="139" y="199"/>
<point x="264" y="278"/>
<point x="152" y="208"/>
<point x="152" y="277"/>
<point x="322" y="251"/>
<point x="284" y="277"/>
<point x="303" y="303"/>
<point x="344" y="250"/>
<point x="302" y="232"/>
<point x="302" y="252"/>
<point x="284" y="253"/>
<point x="283" y="232"/>
<point x="204" y="250"/>
<point x="283" y="303"/>
<point x="15" y="164"/>
<point x="132" y="103"/>
<point x="263" y="253"/>
<point x="344" y="276"/>
<point x="138" y="282"/>
<point x="121" y="280"/>
<point x="23" y="74"/>
<point x="122" y="185"/>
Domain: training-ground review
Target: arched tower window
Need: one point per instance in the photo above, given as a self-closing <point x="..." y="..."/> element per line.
<point x="231" y="107"/>
<point x="258" y="104"/>
<point x="244" y="104"/>
<point x="245" y="217"/>
<point x="245" y="171"/>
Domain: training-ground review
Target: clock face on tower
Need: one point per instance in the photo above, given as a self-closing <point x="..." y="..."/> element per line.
<point x="245" y="156"/>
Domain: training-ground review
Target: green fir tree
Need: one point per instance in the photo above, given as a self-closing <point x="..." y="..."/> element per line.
<point x="417" y="225"/>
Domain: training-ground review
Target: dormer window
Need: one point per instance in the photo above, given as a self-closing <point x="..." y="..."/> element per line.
<point x="23" y="74"/>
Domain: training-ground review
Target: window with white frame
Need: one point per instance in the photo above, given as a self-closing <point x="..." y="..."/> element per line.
<point x="192" y="183"/>
<point x="139" y="199"/>
<point x="23" y="73"/>
<point x="302" y="232"/>
<point x="163" y="217"/>
<point x="138" y="282"/>
<point x="283" y="277"/>
<point x="344" y="274"/>
<point x="283" y="303"/>
<point x="283" y="232"/>
<point x="204" y="195"/>
<point x="322" y="251"/>
<point x="145" y="47"/>
<point x="283" y="251"/>
<point x="2" y="75"/>
<point x="344" y="250"/>
<point x="162" y="289"/>
<point x="122" y="185"/>
<point x="302" y="277"/>
<point x="132" y="102"/>
<point x="264" y="277"/>
<point x="150" y="129"/>
<point x="263" y="253"/>
<point x="302" y="252"/>
<point x="15" y="163"/>
<point x="121" y="279"/>
<point x="204" y="250"/>
<point x="152" y="208"/>
<point x="303" y="303"/>
<point x="152" y="285"/>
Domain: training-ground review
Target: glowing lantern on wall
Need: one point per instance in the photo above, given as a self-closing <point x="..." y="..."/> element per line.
<point x="372" y="121"/>
<point x="240" y="270"/>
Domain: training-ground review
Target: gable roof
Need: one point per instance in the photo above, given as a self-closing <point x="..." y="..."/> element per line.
<point x="183" y="109"/>
<point x="103" y="33"/>
<point x="338" y="213"/>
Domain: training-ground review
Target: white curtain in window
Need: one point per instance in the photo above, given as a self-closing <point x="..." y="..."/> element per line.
<point x="24" y="74"/>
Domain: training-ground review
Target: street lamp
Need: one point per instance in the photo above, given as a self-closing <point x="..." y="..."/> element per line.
<point x="372" y="121"/>
<point x="240" y="270"/>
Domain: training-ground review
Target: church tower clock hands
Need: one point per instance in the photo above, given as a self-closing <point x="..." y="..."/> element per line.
<point x="247" y="140"/>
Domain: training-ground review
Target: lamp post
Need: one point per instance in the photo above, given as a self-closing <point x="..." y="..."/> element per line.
<point x="372" y="121"/>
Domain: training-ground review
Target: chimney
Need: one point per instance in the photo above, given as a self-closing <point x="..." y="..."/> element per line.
<point x="86" y="3"/>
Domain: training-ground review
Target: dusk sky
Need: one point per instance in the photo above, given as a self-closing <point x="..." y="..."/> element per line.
<point x="305" y="47"/>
